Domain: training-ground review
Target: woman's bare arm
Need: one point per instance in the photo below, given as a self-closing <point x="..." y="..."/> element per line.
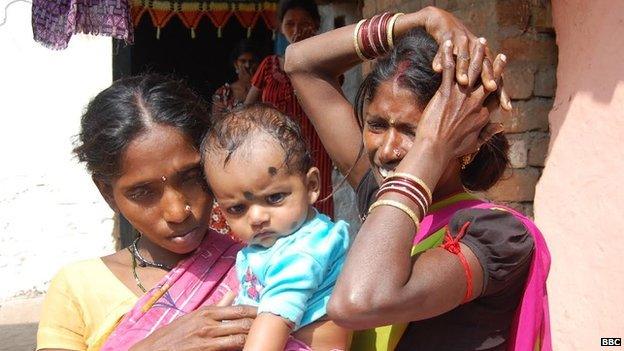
<point x="314" y="65"/>
<point x="253" y="95"/>
<point x="380" y="283"/>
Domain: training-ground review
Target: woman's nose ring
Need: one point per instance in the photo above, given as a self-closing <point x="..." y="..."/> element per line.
<point x="397" y="153"/>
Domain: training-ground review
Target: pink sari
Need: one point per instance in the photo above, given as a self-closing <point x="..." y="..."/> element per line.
<point x="200" y="280"/>
<point x="530" y="329"/>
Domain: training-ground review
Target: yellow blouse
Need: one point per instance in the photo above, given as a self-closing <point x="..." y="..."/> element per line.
<point x="83" y="305"/>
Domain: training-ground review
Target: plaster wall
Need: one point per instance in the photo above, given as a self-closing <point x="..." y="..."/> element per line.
<point x="50" y="212"/>
<point x="578" y="203"/>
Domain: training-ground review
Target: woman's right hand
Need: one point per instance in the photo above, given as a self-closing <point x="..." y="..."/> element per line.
<point x="454" y="119"/>
<point x="207" y="329"/>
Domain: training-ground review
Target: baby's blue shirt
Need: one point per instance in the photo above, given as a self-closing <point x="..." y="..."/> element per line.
<point x="294" y="278"/>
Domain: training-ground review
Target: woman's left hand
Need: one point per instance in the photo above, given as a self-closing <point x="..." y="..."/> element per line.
<point x="455" y="117"/>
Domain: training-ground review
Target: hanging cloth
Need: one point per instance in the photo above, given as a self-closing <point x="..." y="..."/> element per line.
<point x="55" y="21"/>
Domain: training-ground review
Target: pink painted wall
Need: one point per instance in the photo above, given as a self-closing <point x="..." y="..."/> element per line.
<point x="579" y="202"/>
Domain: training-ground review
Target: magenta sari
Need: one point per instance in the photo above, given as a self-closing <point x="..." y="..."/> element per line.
<point x="530" y="329"/>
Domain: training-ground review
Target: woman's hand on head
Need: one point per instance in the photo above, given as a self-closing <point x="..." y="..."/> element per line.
<point x="208" y="328"/>
<point x="455" y="119"/>
<point x="474" y="59"/>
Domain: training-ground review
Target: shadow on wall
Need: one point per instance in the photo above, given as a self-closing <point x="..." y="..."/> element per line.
<point x="590" y="51"/>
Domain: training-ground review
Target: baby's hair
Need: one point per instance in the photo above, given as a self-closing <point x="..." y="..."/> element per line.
<point x="239" y="126"/>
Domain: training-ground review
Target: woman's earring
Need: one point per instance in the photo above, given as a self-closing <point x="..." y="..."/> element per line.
<point x="187" y="208"/>
<point x="467" y="159"/>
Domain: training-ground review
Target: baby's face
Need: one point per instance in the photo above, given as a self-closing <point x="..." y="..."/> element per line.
<point x="262" y="201"/>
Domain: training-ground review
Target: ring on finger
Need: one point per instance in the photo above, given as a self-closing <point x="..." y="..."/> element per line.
<point x="463" y="56"/>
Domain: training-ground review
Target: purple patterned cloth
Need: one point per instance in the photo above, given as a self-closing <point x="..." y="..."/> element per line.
<point x="55" y="21"/>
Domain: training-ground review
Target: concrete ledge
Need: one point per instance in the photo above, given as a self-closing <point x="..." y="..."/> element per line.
<point x="18" y="323"/>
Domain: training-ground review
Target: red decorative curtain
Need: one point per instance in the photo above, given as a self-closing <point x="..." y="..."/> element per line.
<point x="191" y="12"/>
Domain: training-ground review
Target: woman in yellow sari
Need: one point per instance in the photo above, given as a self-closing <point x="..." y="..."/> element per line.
<point x="139" y="139"/>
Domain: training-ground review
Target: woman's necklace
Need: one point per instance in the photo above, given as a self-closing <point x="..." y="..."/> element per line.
<point x="134" y="272"/>
<point x="143" y="262"/>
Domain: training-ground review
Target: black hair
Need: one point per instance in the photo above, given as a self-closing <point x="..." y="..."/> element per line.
<point x="121" y="112"/>
<point x="244" y="46"/>
<point x="308" y="6"/>
<point x="409" y="64"/>
<point x="238" y="126"/>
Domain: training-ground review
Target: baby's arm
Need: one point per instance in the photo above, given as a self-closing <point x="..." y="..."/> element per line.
<point x="268" y="332"/>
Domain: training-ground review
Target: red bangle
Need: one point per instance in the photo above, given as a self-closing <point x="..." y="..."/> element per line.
<point x="415" y="184"/>
<point x="382" y="31"/>
<point x="419" y="197"/>
<point x="402" y="191"/>
<point x="372" y="35"/>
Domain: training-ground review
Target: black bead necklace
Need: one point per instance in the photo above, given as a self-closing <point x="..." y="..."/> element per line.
<point x="143" y="262"/>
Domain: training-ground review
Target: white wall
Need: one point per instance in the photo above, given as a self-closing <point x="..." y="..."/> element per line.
<point x="50" y="212"/>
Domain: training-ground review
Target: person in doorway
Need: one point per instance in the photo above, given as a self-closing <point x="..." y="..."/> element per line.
<point x="245" y="60"/>
<point x="432" y="267"/>
<point x="299" y="19"/>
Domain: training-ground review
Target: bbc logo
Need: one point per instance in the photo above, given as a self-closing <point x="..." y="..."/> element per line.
<point x="610" y="341"/>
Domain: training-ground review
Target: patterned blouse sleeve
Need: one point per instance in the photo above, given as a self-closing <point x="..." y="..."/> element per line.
<point x="501" y="243"/>
<point x="259" y="78"/>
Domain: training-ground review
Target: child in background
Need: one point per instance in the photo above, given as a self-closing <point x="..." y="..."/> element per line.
<point x="260" y="170"/>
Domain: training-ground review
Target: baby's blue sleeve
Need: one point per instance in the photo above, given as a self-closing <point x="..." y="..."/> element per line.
<point x="290" y="281"/>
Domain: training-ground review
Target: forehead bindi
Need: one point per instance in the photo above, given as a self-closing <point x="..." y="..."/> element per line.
<point x="160" y="151"/>
<point x="395" y="103"/>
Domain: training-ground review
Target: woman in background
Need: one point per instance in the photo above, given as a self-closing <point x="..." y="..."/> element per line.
<point x="299" y="19"/>
<point x="245" y="59"/>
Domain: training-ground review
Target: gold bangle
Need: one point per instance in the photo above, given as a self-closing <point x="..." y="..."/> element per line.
<point x="356" y="44"/>
<point x="418" y="181"/>
<point x="390" y="29"/>
<point x="399" y="205"/>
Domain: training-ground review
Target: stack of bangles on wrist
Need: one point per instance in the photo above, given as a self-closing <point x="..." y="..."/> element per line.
<point x="376" y="35"/>
<point x="410" y="187"/>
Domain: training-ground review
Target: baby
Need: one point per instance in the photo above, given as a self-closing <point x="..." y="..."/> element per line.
<point x="260" y="171"/>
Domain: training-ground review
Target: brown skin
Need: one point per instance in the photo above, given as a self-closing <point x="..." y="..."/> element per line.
<point x="157" y="209"/>
<point x="372" y="289"/>
<point x="314" y="73"/>
<point x="263" y="201"/>
<point x="296" y="25"/>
